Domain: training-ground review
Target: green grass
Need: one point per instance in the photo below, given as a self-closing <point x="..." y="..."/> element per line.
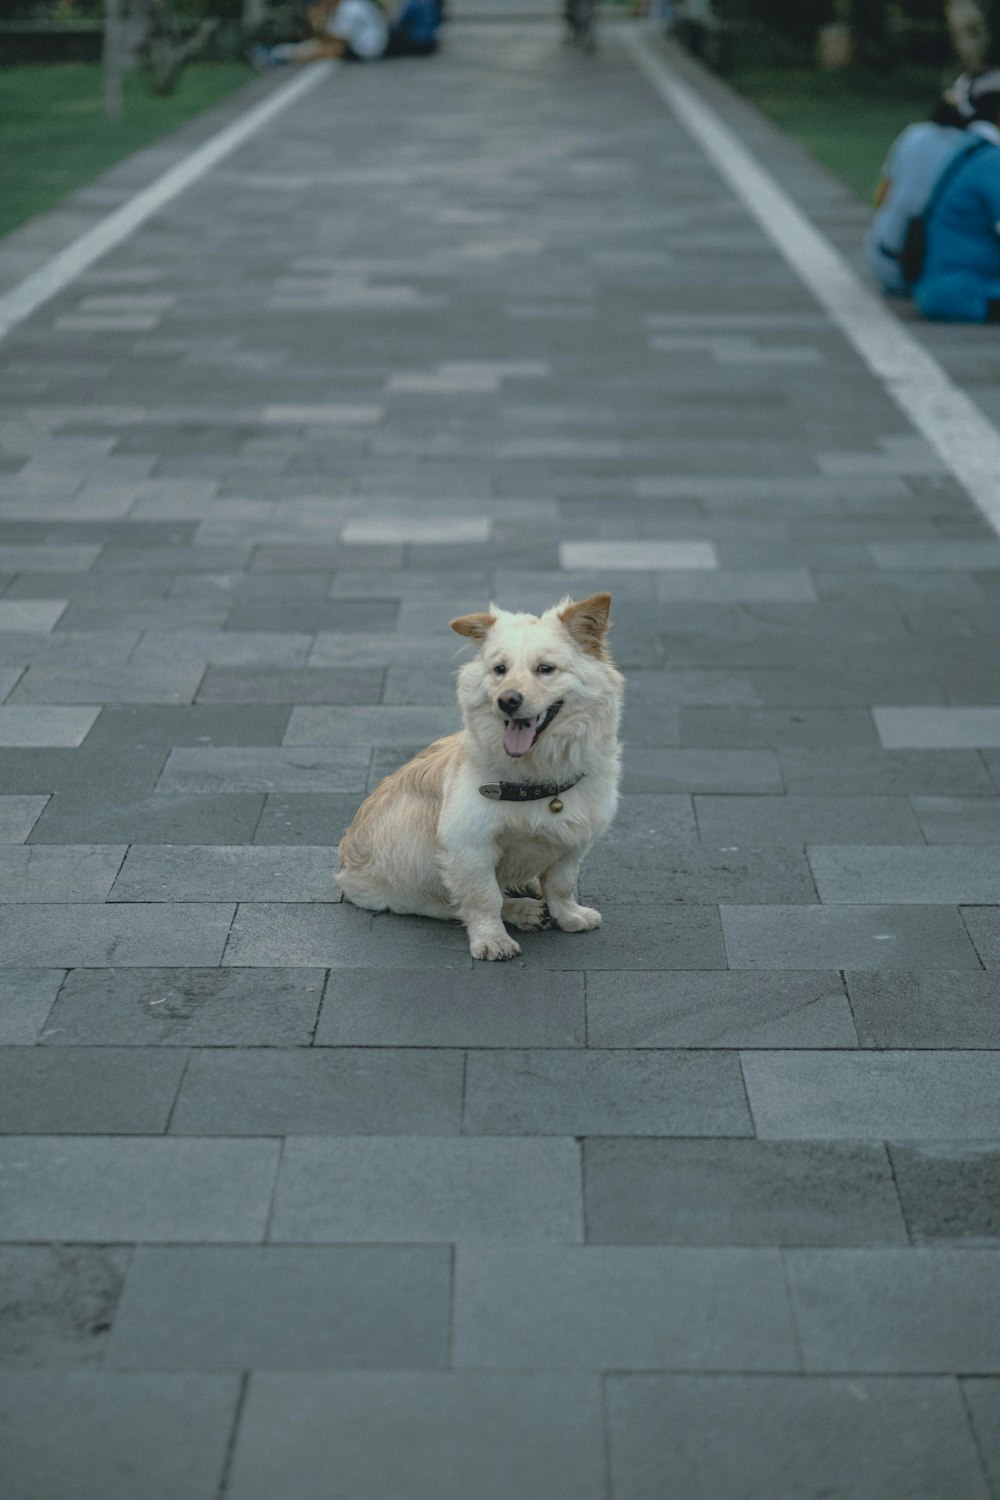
<point x="54" y="136"/>
<point x="847" y="118"/>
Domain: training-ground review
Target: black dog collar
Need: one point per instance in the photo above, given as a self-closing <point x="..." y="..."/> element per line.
<point x="527" y="791"/>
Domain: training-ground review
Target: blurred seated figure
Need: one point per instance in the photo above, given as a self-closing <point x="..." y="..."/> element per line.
<point x="358" y="30"/>
<point x="960" y="282"/>
<point x="914" y="164"/>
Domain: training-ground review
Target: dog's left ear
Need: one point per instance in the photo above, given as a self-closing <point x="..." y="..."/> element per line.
<point x="476" y="627"/>
<point x="587" y="620"/>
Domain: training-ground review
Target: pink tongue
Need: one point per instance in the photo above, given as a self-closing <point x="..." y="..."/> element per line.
<point x="519" y="736"/>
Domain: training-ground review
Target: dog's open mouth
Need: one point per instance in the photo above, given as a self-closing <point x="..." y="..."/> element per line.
<point x="520" y="734"/>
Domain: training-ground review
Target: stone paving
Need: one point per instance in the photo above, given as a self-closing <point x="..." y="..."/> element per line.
<point x="297" y="1203"/>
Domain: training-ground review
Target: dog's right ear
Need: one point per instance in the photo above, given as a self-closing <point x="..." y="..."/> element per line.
<point x="476" y="627"/>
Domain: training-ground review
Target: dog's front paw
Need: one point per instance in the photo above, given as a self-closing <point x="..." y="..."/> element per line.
<point x="494" y="946"/>
<point x="525" y="913"/>
<point x="579" y="919"/>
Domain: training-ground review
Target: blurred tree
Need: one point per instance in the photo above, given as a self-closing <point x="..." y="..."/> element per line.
<point x="974" y="26"/>
<point x="168" y="41"/>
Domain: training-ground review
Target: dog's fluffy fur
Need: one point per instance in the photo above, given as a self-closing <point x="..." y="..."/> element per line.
<point x="427" y="842"/>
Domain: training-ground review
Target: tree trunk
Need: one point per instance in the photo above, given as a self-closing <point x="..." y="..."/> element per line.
<point x="112" y="59"/>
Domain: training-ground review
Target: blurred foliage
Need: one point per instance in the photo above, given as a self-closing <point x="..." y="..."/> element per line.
<point x="886" y="33"/>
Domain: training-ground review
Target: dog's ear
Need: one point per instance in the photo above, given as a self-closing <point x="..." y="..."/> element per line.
<point x="476" y="627"/>
<point x="587" y="620"/>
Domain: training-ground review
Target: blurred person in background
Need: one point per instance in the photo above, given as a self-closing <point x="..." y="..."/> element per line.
<point x="960" y="282"/>
<point x="915" y="163"/>
<point x="358" y="30"/>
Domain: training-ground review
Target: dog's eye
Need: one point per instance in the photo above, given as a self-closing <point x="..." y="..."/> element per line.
<point x="545" y="668"/>
<point x="499" y="669"/>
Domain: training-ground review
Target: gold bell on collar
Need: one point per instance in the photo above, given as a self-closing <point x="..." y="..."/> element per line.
<point x="555" y="805"/>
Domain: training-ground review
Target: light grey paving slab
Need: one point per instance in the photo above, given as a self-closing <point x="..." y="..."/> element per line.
<point x="937" y="555"/>
<point x="934" y="728"/>
<point x="800" y="820"/>
<point x="57" y="1303"/>
<point x="484" y="1005"/>
<point x="870" y="770"/>
<point x="888" y="874"/>
<point x="227" y="872"/>
<point x="87" y="1090"/>
<point x="431" y="1436"/>
<point x="897" y="1311"/>
<point x="183" y="1007"/>
<point x="622" y="1307"/>
<point x="26" y="997"/>
<point x="924" y="1096"/>
<point x="375" y="1091"/>
<point x="738" y="586"/>
<point x="98" y="1424"/>
<point x="934" y="1009"/>
<point x="90" y="936"/>
<point x="284" y="1307"/>
<point x="740" y="771"/>
<point x="148" y="683"/>
<point x="30" y="614"/>
<point x="18" y="816"/>
<point x="754" y="1437"/>
<point x="723" y="1009"/>
<point x="983" y="924"/>
<point x="739" y="1192"/>
<point x="101" y="1190"/>
<point x="846" y="937"/>
<point x="646" y="556"/>
<point x="31" y="872"/>
<point x="265" y="769"/>
<point x="982" y="1400"/>
<point x="604" y="1093"/>
<point x="47" y="559"/>
<point x="958" y="820"/>
<point x="378" y="725"/>
<point x="397" y="1189"/>
<point x="25" y="725"/>
<point x="950" y="1192"/>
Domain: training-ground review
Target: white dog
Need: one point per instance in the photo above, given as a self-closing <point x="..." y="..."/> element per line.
<point x="513" y="802"/>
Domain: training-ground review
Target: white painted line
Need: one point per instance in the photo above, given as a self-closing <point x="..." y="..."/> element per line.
<point x="64" y="268"/>
<point x="968" y="443"/>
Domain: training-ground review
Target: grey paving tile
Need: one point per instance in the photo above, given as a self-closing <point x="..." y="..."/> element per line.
<point x="801" y="820"/>
<point x="26" y="997"/>
<point x="895" y="876"/>
<point x="26" y="725"/>
<point x="254" y="684"/>
<point x="925" y="1096"/>
<point x="982" y="1399"/>
<point x="604" y="1093"/>
<point x="933" y="728"/>
<point x="88" y="1090"/>
<point x="93" y="1189"/>
<point x="739" y="1192"/>
<point x="958" y="820"/>
<point x="432" y="1436"/>
<point x="619" y="869"/>
<point x="79" y="873"/>
<point x="723" y="1009"/>
<point x="983" y="924"/>
<point x="950" y="1192"/>
<point x="835" y="937"/>
<point x="741" y="771"/>
<point x="284" y="1307"/>
<point x="484" y="1005"/>
<point x="320" y="768"/>
<point x="258" y="873"/>
<point x="99" y="1423"/>
<point x="635" y="1307"/>
<point x="867" y="1439"/>
<point x="91" y="936"/>
<point x="349" y="1092"/>
<point x="306" y="817"/>
<point x="107" y="814"/>
<point x="57" y="1303"/>
<point x="897" y="1311"/>
<point x="381" y="1188"/>
<point x="774" y="728"/>
<point x="18" y="816"/>
<point x="148" y="683"/>
<point x="379" y="725"/>
<point x="184" y="1007"/>
<point x="869" y="771"/>
<point x="936" y="1009"/>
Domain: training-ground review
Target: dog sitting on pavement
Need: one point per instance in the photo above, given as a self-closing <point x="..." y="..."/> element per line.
<point x="491" y="825"/>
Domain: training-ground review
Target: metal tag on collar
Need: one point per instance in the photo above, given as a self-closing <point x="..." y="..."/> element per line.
<point x="493" y="790"/>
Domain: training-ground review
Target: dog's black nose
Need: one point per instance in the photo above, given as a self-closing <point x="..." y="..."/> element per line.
<point x="510" y="703"/>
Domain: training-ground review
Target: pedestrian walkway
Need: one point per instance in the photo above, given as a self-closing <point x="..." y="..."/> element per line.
<point x="297" y="1202"/>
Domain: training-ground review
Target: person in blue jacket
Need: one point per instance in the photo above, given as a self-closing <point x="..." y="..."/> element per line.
<point x="960" y="282"/>
<point x="915" y="162"/>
